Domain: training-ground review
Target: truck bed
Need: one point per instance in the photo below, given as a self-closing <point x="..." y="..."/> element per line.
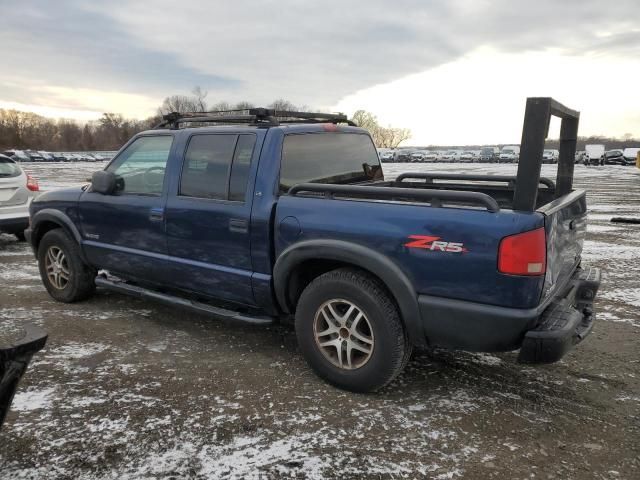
<point x="473" y="210"/>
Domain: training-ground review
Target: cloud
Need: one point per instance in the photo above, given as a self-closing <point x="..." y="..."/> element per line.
<point x="313" y="53"/>
<point x="65" y="44"/>
<point x="317" y="52"/>
<point x="449" y="105"/>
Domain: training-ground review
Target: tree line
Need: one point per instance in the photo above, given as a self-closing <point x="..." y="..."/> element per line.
<point x="27" y="130"/>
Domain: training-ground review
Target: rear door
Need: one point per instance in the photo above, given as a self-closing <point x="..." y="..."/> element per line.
<point x="208" y="213"/>
<point x="125" y="232"/>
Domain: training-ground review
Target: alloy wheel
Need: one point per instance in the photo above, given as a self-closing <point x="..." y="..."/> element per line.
<point x="343" y="334"/>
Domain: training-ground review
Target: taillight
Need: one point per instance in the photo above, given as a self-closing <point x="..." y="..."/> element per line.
<point x="32" y="184"/>
<point x="523" y="253"/>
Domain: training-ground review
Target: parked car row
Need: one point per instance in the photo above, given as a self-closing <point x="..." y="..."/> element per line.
<point x="508" y="154"/>
<point x="43" y="156"/>
<point x="593" y="155"/>
<point x="597" y="155"/>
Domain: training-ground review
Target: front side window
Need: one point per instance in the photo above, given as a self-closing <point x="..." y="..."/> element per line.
<point x="141" y="166"/>
<point x="337" y="158"/>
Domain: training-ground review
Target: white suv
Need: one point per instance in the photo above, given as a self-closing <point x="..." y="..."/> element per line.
<point x="17" y="190"/>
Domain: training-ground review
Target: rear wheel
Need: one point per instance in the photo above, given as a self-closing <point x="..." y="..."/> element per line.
<point x="350" y="332"/>
<point x="64" y="274"/>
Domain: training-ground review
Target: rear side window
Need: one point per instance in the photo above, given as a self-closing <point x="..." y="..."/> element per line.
<point x="142" y="165"/>
<point x="8" y="168"/>
<point x="217" y="166"/>
<point x="206" y="166"/>
<point x="337" y="158"/>
<point x="240" y="167"/>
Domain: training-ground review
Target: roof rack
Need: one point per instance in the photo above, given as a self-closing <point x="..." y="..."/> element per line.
<point x="261" y="117"/>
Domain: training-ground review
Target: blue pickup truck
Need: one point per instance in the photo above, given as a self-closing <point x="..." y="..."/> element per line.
<point x="264" y="215"/>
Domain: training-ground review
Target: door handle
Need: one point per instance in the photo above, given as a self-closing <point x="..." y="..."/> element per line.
<point x="238" y="225"/>
<point x="156" y="214"/>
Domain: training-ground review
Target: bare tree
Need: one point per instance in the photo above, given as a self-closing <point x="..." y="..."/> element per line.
<point x="366" y="120"/>
<point x="221" y="106"/>
<point x="185" y="103"/>
<point x="283" y="105"/>
<point x="383" y="137"/>
<point x="199" y="97"/>
<point x="243" y="105"/>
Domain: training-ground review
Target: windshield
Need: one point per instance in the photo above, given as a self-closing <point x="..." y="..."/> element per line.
<point x="507" y="151"/>
<point x="8" y="168"/>
<point x="337" y="158"/>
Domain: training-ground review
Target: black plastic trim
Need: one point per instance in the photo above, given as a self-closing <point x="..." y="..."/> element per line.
<point x="350" y="253"/>
<point x="476" y="327"/>
<point x="462" y="325"/>
<point x="55" y="216"/>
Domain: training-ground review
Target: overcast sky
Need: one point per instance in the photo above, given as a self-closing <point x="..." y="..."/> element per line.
<point x="453" y="71"/>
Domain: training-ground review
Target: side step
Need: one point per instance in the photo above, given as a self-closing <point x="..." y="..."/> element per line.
<point x="134" y="290"/>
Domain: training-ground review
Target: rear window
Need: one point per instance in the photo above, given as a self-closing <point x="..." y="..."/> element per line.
<point x="337" y="158"/>
<point x="8" y="168"/>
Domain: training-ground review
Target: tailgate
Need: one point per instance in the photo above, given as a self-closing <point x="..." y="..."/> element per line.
<point x="566" y="227"/>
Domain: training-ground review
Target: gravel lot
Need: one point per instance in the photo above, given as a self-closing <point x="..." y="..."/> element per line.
<point x="131" y="389"/>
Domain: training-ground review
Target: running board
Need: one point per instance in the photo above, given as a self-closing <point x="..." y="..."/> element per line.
<point x="134" y="290"/>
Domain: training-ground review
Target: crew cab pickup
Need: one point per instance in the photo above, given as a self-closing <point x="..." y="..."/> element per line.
<point x="277" y="215"/>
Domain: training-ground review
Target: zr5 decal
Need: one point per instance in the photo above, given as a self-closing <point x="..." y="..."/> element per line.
<point x="434" y="244"/>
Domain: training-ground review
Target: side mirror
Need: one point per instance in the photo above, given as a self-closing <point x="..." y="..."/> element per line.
<point x="104" y="182"/>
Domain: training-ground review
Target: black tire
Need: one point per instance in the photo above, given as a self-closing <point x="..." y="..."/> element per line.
<point x="390" y="350"/>
<point x="81" y="277"/>
<point x="20" y="236"/>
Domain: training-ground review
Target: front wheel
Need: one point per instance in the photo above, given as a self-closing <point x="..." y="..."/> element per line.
<point x="64" y="274"/>
<point x="350" y="332"/>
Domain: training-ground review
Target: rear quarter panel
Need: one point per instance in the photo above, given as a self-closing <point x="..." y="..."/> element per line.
<point x="385" y="227"/>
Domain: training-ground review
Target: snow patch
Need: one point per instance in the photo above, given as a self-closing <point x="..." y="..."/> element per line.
<point x="74" y="351"/>
<point x="33" y="399"/>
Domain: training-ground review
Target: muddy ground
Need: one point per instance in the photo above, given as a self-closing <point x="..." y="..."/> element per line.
<point x="131" y="389"/>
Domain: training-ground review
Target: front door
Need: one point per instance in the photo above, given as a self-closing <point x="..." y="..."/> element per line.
<point x="125" y="232"/>
<point x="208" y="213"/>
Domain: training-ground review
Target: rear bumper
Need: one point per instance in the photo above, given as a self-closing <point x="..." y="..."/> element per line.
<point x="565" y="322"/>
<point x="540" y="334"/>
<point x="13" y="224"/>
<point x="14" y="218"/>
